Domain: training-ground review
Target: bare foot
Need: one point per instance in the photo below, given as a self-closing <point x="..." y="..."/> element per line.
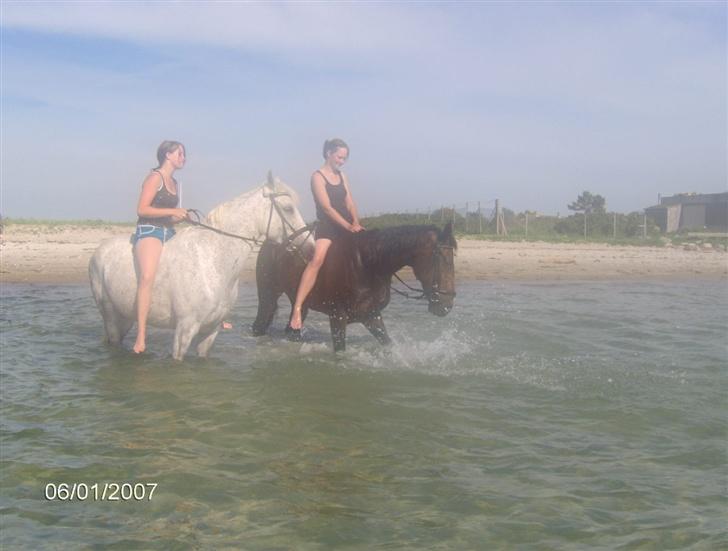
<point x="296" y="322"/>
<point x="226" y="325"/>
<point x="139" y="347"/>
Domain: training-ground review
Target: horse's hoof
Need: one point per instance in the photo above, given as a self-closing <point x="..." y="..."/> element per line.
<point x="293" y="335"/>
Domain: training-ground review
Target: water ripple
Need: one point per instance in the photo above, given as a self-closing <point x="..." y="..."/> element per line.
<point x="540" y="416"/>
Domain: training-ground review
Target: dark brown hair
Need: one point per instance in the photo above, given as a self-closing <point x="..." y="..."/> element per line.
<point x="333" y="144"/>
<point x="167" y="146"/>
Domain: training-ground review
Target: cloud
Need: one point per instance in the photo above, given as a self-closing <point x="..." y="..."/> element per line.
<point x="336" y="29"/>
<point x="473" y="100"/>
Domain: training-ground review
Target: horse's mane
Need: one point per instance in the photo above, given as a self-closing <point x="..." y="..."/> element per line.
<point x="382" y="246"/>
<point x="224" y="211"/>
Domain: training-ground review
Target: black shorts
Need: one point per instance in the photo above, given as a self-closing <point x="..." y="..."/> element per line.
<point x="325" y="229"/>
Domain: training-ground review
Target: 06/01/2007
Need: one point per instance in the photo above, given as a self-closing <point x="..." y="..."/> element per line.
<point x="105" y="491"/>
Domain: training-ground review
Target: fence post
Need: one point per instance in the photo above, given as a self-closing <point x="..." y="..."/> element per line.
<point x="429" y="213"/>
<point x="584" y="224"/>
<point x="442" y="214"/>
<point x="497" y="217"/>
<point x="644" y="226"/>
<point x="615" y="226"/>
<point x="466" y="217"/>
<point x="453" y="217"/>
<point x="526" y="224"/>
<point x="480" y="219"/>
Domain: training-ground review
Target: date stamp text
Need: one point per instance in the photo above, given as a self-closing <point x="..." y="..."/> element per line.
<point x="99" y="491"/>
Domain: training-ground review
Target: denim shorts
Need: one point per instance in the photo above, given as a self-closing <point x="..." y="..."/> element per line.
<point x="163" y="233"/>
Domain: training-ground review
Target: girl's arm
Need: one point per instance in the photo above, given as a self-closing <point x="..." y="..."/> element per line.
<point x="351" y="207"/>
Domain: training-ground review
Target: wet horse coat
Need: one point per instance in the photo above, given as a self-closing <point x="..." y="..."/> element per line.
<point x="354" y="282"/>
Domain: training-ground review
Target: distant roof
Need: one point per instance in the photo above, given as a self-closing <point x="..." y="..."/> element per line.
<point x="693" y="198"/>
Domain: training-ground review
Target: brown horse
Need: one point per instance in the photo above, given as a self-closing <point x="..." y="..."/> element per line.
<point x="354" y="282"/>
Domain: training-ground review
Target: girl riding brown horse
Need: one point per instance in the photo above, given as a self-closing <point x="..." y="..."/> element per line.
<point x="354" y="283"/>
<point x="336" y="213"/>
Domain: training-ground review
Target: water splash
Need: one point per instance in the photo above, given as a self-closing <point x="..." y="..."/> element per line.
<point x="449" y="353"/>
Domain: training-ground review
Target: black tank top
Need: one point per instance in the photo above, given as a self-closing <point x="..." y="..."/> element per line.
<point x="337" y="198"/>
<point x="163" y="199"/>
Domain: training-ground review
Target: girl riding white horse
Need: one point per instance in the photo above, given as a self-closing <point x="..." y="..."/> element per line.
<point x="197" y="279"/>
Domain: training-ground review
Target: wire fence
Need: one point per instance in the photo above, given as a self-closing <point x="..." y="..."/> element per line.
<point x="468" y="217"/>
<point x="490" y="217"/>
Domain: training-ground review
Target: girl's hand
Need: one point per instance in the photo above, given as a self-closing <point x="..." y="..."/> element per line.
<point x="179" y="215"/>
<point x="355" y="228"/>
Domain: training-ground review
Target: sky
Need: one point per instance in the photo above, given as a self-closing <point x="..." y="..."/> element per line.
<point x="530" y="103"/>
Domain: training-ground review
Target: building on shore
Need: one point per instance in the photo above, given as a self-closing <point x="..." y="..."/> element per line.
<point x="691" y="211"/>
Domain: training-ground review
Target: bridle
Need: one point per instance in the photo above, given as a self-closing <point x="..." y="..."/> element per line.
<point x="277" y="207"/>
<point x="273" y="205"/>
<point x="291" y="248"/>
<point x="437" y="257"/>
<point x="434" y="293"/>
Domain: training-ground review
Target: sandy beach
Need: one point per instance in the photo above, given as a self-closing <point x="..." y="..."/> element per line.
<point x="60" y="254"/>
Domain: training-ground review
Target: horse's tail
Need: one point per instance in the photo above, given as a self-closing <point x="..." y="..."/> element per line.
<point x="95" y="277"/>
<point x="116" y="324"/>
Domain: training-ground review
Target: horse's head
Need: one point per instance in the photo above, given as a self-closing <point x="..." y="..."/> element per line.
<point x="283" y="218"/>
<point x="434" y="267"/>
<point x="265" y="212"/>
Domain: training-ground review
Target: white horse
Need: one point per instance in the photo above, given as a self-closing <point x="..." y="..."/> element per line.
<point x="197" y="278"/>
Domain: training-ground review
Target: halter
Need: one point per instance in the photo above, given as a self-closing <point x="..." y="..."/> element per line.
<point x="433" y="293"/>
<point x="252" y="240"/>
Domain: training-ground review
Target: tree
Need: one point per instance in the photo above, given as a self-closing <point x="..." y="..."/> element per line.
<point x="588" y="203"/>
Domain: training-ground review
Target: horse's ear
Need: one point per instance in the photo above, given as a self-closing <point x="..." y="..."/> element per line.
<point x="447" y="232"/>
<point x="270" y="185"/>
<point x="447" y="236"/>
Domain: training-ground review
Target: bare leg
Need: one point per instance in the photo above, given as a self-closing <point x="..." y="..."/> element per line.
<point x="147" y="251"/>
<point x="308" y="279"/>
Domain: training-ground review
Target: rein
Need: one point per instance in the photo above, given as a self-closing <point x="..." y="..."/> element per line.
<point x="198" y="215"/>
<point x="405" y="294"/>
<point x="433" y="295"/>
<point x="288" y="241"/>
<point x="197" y="222"/>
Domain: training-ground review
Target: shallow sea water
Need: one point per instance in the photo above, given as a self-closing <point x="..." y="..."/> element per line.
<point x="534" y="416"/>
